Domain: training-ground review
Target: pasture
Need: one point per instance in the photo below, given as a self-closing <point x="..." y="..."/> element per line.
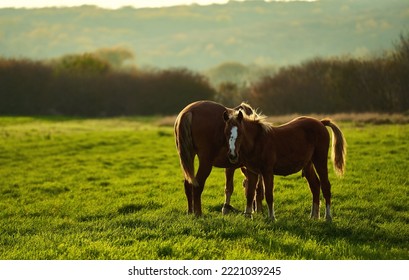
<point x="112" y="189"/>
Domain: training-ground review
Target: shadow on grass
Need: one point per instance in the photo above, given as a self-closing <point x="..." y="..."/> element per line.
<point x="136" y="207"/>
<point x="295" y="235"/>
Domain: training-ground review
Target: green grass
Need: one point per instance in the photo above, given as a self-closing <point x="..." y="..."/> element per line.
<point x="112" y="189"/>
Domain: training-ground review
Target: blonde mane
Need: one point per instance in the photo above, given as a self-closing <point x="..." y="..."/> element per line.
<point x="259" y="119"/>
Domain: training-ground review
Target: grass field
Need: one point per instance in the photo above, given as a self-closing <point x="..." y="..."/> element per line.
<point x="112" y="189"/>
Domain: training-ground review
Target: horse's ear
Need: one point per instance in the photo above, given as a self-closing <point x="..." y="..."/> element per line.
<point x="247" y="108"/>
<point x="240" y="116"/>
<point x="226" y="116"/>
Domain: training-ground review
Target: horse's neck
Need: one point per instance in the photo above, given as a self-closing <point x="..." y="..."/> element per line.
<point x="253" y="132"/>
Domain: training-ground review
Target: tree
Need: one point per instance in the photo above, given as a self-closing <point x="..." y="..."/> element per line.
<point x="117" y="57"/>
<point x="83" y="64"/>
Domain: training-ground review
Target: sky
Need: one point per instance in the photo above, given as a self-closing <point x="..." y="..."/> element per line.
<point x="110" y="4"/>
<point x="104" y="3"/>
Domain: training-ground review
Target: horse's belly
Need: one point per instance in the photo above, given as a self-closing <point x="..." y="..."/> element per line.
<point x="285" y="170"/>
<point x="292" y="162"/>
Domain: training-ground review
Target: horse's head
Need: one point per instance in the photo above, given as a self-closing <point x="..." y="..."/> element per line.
<point x="233" y="134"/>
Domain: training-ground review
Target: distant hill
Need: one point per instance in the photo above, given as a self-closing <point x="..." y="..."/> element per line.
<point x="202" y="37"/>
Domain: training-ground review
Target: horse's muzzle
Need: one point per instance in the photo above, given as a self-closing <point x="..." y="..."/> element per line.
<point x="233" y="159"/>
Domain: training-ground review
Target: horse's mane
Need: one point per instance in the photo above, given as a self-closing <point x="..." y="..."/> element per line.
<point x="257" y="117"/>
<point x="246" y="109"/>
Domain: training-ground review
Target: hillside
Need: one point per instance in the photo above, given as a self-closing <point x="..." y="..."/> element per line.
<point x="201" y="37"/>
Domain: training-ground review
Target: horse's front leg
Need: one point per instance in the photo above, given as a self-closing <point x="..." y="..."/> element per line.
<point x="268" y="179"/>
<point x="258" y="203"/>
<point x="252" y="179"/>
<point x="228" y="191"/>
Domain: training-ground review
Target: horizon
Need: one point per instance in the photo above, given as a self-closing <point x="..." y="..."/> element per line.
<point x="106" y="4"/>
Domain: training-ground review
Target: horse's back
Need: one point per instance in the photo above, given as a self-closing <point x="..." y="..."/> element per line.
<point x="207" y="116"/>
<point x="203" y="106"/>
<point x="301" y="121"/>
<point x="309" y="127"/>
<point x="207" y="126"/>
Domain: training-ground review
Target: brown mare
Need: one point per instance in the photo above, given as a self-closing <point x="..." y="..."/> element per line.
<point x="301" y="144"/>
<point x="199" y="130"/>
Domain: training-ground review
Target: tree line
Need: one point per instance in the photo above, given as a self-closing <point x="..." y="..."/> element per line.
<point x="86" y="85"/>
<point x="91" y="86"/>
<point x="377" y="84"/>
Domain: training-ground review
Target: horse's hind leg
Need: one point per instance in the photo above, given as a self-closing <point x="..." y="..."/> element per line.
<point x="314" y="183"/>
<point x="205" y="167"/>
<point x="189" y="194"/>
<point x="228" y="190"/>
<point x="259" y="193"/>
<point x="322" y="171"/>
<point x="268" y="180"/>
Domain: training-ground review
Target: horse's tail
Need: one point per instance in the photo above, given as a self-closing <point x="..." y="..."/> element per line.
<point x="184" y="145"/>
<point x="339" y="147"/>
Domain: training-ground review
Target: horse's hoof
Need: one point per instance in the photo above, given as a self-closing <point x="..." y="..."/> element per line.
<point x="227" y="209"/>
<point x="328" y="219"/>
<point x="248" y="215"/>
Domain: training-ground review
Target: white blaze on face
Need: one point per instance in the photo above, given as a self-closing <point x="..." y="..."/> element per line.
<point x="232" y="140"/>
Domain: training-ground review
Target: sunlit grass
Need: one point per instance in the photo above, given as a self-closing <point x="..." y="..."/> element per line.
<point x="112" y="189"/>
